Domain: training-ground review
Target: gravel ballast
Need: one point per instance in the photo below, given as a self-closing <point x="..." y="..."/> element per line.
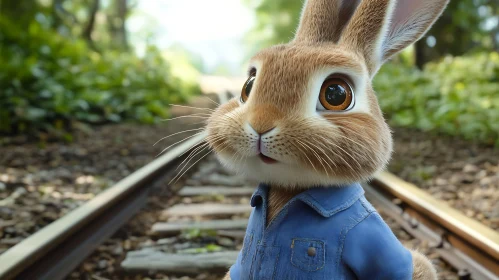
<point x="39" y="184"/>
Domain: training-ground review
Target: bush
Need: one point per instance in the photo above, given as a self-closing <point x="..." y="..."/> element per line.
<point x="48" y="81"/>
<point x="457" y="96"/>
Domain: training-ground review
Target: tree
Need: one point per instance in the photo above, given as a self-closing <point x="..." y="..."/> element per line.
<point x="463" y="27"/>
<point x="22" y="10"/>
<point x="87" y="32"/>
<point x="116" y="20"/>
<point x="276" y="22"/>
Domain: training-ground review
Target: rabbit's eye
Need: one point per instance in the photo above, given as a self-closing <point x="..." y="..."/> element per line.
<point x="245" y="93"/>
<point x="336" y="95"/>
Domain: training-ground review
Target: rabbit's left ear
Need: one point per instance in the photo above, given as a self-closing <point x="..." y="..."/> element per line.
<point x="381" y="28"/>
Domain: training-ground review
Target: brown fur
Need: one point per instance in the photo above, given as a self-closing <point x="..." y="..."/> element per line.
<point x="365" y="28"/>
<point x="263" y="117"/>
<point x="355" y="36"/>
<point x="422" y="267"/>
<point x="323" y="21"/>
<point x="277" y="198"/>
<point x="353" y="157"/>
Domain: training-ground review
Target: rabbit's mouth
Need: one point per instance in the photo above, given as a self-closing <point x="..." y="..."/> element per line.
<point x="266" y="159"/>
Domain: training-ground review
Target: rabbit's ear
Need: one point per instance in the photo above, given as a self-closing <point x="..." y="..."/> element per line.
<point x="410" y="21"/>
<point x="381" y="28"/>
<point x="324" y="20"/>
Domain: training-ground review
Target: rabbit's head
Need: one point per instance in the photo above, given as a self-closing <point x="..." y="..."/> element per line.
<point x="308" y="115"/>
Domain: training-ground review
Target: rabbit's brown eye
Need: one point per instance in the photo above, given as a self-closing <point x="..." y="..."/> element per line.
<point x="245" y="93"/>
<point x="336" y="94"/>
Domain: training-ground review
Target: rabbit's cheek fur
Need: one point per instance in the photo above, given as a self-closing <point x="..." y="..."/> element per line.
<point x="309" y="151"/>
<point x="311" y="147"/>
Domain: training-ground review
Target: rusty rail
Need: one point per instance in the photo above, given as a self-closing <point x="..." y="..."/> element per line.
<point x="57" y="249"/>
<point x="466" y="244"/>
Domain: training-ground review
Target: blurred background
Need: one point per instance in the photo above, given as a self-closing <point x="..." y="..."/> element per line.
<point x="85" y="87"/>
<point x="109" y="61"/>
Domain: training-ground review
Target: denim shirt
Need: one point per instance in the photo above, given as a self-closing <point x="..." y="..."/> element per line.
<point x="322" y="233"/>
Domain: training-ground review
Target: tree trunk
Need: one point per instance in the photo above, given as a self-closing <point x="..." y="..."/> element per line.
<point x="55" y="15"/>
<point x="89" y="28"/>
<point x="419" y="52"/>
<point x="495" y="33"/>
<point x="122" y="11"/>
<point x="494" y="37"/>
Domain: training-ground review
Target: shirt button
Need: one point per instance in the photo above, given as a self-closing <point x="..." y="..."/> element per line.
<point x="311" y="251"/>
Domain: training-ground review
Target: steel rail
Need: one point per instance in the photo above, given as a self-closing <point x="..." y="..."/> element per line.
<point x="56" y="250"/>
<point x="466" y="244"/>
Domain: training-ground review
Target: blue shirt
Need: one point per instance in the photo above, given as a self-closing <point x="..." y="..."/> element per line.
<point x="322" y="233"/>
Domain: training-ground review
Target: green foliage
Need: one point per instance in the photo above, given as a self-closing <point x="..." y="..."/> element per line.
<point x="198" y="233"/>
<point x="457" y="96"/>
<point x="473" y="20"/>
<point x="276" y="22"/>
<point x="48" y="80"/>
<point x="209" y="248"/>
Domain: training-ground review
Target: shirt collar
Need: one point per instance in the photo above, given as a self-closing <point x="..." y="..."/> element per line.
<point x="326" y="201"/>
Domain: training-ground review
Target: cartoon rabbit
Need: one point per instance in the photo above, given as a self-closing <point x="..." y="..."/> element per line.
<point x="308" y="126"/>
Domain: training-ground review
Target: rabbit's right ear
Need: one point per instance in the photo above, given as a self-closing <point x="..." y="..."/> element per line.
<point x="324" y="20"/>
<point x="380" y="28"/>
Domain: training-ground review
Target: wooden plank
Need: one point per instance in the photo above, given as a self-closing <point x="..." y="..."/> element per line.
<point x="235" y="234"/>
<point x="176" y="227"/>
<point x="212" y="190"/>
<point x="207" y="209"/>
<point x="216" y="179"/>
<point x="147" y="260"/>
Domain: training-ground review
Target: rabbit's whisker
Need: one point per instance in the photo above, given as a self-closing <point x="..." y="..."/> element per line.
<point x="188" y="137"/>
<point x="209" y="152"/>
<point x="191" y="155"/>
<point x="340" y="157"/>
<point x="368" y="141"/>
<point x="197" y="115"/>
<point x="190" y="107"/>
<point x="189" y="158"/>
<point x="356" y="152"/>
<point x="214" y="102"/>
<point x="198" y="123"/>
<point x="316" y="156"/>
<point x="339" y="147"/>
<point x="302" y="152"/>
<point x="324" y="153"/>
<point x="188" y="130"/>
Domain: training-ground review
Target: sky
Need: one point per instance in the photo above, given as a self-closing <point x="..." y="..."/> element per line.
<point x="213" y="29"/>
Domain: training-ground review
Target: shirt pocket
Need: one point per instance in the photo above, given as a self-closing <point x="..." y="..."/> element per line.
<point x="248" y="240"/>
<point x="308" y="254"/>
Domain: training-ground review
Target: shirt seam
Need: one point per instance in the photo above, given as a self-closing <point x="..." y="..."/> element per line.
<point x="328" y="213"/>
<point x="366" y="207"/>
<point x="343" y="237"/>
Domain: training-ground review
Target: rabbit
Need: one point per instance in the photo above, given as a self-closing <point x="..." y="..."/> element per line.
<point x="308" y="126"/>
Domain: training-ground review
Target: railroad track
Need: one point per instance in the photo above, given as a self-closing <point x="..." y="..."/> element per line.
<point x="222" y="206"/>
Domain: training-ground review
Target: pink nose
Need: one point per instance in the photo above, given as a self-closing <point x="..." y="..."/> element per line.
<point x="262" y="132"/>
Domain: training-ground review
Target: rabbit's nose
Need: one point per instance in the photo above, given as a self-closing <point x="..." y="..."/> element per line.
<point x="263" y="118"/>
<point x="262" y="132"/>
<point x="262" y="128"/>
